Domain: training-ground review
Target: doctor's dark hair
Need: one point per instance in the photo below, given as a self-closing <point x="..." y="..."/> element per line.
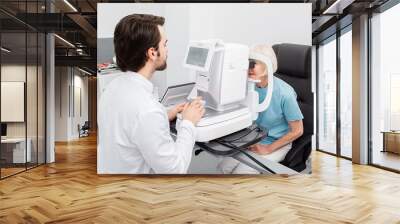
<point x="133" y="36"/>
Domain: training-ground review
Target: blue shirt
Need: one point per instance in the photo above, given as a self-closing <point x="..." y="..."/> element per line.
<point x="282" y="108"/>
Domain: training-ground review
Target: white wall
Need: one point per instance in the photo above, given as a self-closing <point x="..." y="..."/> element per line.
<point x="33" y="126"/>
<point x="61" y="103"/>
<point x="80" y="82"/>
<point x="252" y="23"/>
<point x="18" y="73"/>
<point x="68" y="80"/>
<point x="242" y="23"/>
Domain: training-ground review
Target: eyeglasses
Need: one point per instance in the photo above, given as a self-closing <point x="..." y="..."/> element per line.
<point x="252" y="63"/>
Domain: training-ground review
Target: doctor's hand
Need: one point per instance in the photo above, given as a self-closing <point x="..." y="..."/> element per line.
<point x="194" y="111"/>
<point x="261" y="149"/>
<point x="174" y="111"/>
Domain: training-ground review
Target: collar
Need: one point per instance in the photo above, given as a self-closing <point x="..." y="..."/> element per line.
<point x="148" y="86"/>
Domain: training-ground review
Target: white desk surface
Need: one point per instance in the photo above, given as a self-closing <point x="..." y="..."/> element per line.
<point x="13" y="140"/>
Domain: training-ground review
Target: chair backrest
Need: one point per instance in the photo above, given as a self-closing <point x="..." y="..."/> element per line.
<point x="86" y="125"/>
<point x="294" y="67"/>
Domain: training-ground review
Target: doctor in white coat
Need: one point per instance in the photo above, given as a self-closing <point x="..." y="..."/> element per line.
<point x="134" y="134"/>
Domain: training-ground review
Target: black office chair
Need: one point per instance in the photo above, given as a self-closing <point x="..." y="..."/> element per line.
<point x="294" y="67"/>
<point x="84" y="130"/>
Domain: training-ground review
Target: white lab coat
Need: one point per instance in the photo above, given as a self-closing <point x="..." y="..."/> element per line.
<point x="134" y="134"/>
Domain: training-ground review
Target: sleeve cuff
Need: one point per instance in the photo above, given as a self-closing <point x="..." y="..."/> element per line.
<point x="296" y="119"/>
<point x="189" y="125"/>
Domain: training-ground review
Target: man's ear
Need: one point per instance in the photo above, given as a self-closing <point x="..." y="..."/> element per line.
<point x="150" y="53"/>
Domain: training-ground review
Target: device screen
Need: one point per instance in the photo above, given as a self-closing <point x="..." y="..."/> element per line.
<point x="3" y="129"/>
<point x="197" y="56"/>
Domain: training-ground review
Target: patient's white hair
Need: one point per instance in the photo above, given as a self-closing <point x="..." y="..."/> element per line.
<point x="261" y="51"/>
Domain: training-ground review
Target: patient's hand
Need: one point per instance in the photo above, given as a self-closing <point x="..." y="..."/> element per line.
<point x="261" y="149"/>
<point x="174" y="111"/>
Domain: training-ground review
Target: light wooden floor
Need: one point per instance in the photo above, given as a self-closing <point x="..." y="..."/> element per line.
<point x="10" y="171"/>
<point x="70" y="191"/>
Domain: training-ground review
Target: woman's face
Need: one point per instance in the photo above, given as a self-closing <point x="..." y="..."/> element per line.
<point x="257" y="71"/>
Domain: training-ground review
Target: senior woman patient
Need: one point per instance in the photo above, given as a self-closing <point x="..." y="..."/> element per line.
<point x="282" y="120"/>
